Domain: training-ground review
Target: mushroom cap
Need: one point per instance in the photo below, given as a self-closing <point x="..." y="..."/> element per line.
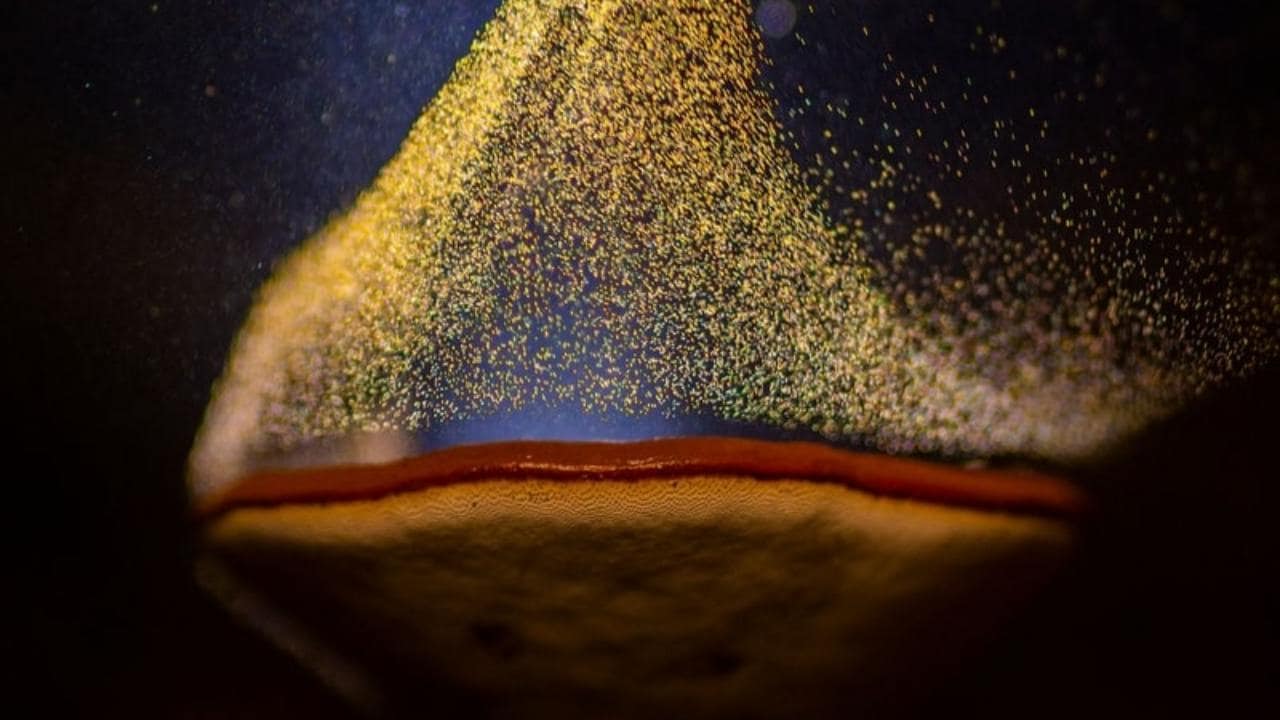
<point x="700" y="577"/>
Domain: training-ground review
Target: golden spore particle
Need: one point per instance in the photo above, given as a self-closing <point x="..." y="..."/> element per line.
<point x="602" y="209"/>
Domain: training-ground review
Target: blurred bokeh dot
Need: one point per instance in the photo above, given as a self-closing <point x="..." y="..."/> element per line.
<point x="776" y="18"/>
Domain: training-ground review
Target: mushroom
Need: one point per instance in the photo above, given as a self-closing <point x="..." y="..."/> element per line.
<point x="601" y="214"/>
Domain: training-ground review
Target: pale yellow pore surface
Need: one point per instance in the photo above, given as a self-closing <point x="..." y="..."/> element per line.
<point x="702" y="596"/>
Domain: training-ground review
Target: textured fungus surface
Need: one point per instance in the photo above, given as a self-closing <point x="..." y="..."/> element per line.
<point x="697" y="595"/>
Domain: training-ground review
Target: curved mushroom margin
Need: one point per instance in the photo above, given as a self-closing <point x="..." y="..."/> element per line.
<point x="1015" y="491"/>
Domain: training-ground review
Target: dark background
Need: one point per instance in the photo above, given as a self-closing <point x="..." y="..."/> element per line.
<point x="158" y="157"/>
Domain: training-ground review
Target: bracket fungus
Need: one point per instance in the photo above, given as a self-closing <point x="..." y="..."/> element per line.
<point x="635" y="216"/>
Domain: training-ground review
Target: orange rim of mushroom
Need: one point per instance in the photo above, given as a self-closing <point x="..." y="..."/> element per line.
<point x="1008" y="490"/>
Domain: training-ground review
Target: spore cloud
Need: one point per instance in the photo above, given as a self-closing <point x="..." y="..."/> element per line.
<point x="603" y="209"/>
